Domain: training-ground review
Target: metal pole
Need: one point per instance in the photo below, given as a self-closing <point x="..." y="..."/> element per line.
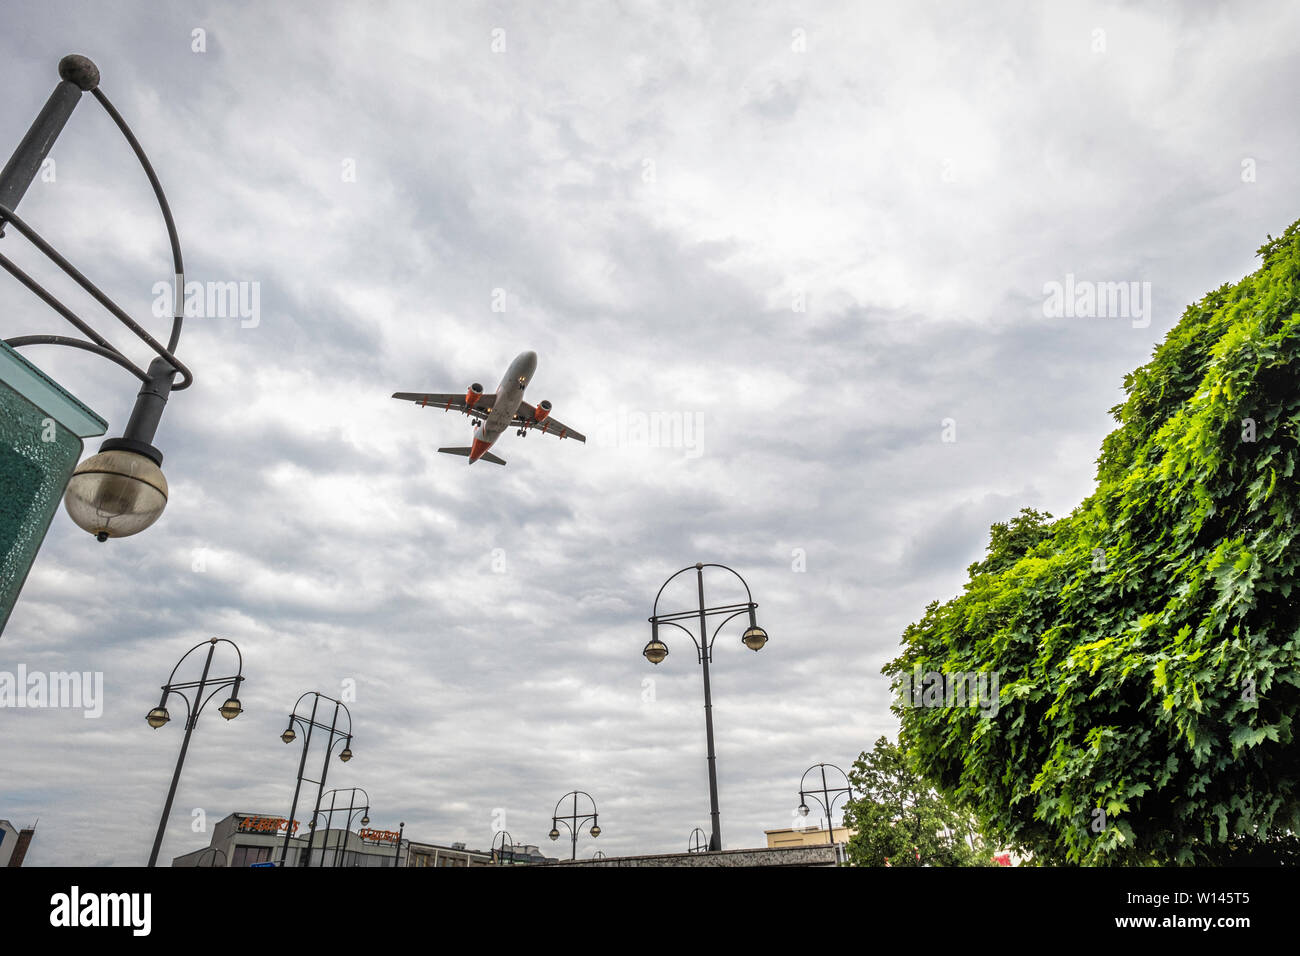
<point x="302" y="765"/>
<point x="827" y="797"/>
<point x="78" y="75"/>
<point x="401" y="828"/>
<point x="328" y="825"/>
<point x="715" y="841"/>
<point x="916" y="848"/>
<point x="149" y="404"/>
<point x="191" y="718"/>
<point x="320" y="787"/>
<point x="351" y="800"/>
<point x="573" y="829"/>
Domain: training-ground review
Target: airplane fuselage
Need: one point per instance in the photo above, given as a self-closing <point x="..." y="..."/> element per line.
<point x="508" y="396"/>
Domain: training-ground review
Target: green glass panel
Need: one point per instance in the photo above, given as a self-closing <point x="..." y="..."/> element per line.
<point x="41" y="428"/>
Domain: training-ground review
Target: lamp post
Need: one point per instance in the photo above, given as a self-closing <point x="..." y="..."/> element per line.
<point x="397" y="854"/>
<point x="214" y="850"/>
<point x="120" y="491"/>
<point x="335" y="735"/>
<point x="574" y="820"/>
<point x="352" y="809"/>
<point x="656" y="650"/>
<point x="698" y="841"/>
<point x="506" y="841"/>
<point x="828" y="793"/>
<point x="159" y="715"/>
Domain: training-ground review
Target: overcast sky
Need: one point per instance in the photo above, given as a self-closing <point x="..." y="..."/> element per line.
<point x="817" y="237"/>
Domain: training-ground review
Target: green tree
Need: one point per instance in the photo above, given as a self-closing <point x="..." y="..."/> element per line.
<point x="899" y="818"/>
<point x="1147" y="646"/>
<point x="1009" y="541"/>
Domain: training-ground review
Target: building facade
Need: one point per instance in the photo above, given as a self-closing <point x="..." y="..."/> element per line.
<point x="523" y="854"/>
<point x="252" y="839"/>
<point x="431" y="854"/>
<point x="806" y="836"/>
<point x="14" y="843"/>
<point x="822" y="854"/>
<point x="249" y="839"/>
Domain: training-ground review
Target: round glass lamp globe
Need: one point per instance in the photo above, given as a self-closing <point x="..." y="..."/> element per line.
<point x="754" y="638"/>
<point x="115" y="494"/>
<point x="655" y="651"/>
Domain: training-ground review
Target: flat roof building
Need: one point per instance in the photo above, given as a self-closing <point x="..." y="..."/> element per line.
<point x="806" y="836"/>
<point x="250" y="839"/>
<point x="247" y="839"/>
<point x="431" y="854"/>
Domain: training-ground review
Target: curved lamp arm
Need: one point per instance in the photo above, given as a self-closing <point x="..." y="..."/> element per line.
<point x="700" y="567"/>
<point x="79" y="75"/>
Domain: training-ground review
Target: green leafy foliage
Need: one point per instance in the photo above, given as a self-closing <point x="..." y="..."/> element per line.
<point x="1147" y="644"/>
<point x="902" y="820"/>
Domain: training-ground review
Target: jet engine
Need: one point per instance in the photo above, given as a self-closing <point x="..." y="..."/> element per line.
<point x="474" y="394"/>
<point x="542" y="411"/>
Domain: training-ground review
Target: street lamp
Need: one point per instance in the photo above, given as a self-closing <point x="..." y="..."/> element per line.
<point x="656" y="650"/>
<point x="575" y="820"/>
<point x="828" y="796"/>
<point x="397" y="853"/>
<point x="214" y="851"/>
<point x="698" y="841"/>
<point x="159" y="716"/>
<point x="335" y="735"/>
<point x="506" y="841"/>
<point x="353" y="808"/>
<point x="120" y="491"/>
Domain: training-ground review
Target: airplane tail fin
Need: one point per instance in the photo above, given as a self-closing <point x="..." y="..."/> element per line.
<point x="464" y="453"/>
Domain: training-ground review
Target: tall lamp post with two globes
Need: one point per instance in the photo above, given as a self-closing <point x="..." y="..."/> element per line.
<point x="160" y="716"/>
<point x="656" y="650"/>
<point x="336" y="734"/>
<point x="828" y="793"/>
<point x="352" y="809"/>
<point x="575" y="820"/>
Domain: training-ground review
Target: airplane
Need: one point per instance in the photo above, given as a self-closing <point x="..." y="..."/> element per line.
<point x="494" y="412"/>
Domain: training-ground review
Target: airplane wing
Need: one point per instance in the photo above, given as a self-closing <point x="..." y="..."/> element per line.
<point x="550" y="426"/>
<point x="449" y="400"/>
